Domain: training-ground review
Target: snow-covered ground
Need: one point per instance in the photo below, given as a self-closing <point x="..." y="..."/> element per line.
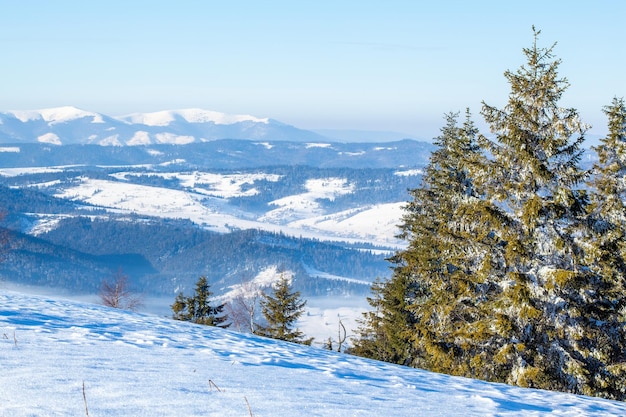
<point x="204" y="202"/>
<point x="203" y="198"/>
<point x="64" y="358"/>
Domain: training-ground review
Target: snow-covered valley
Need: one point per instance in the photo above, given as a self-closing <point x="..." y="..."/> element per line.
<point x="128" y="216"/>
<point x="155" y="193"/>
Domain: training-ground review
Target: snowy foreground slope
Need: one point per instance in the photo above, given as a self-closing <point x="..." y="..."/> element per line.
<point x="139" y="365"/>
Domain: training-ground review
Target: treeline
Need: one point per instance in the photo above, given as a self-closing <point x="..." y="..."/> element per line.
<point x="162" y="255"/>
<point x="371" y="186"/>
<point x="28" y="260"/>
<point x="516" y="261"/>
<point x="223" y="154"/>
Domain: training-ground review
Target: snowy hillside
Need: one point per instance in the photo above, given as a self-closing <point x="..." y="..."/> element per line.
<point x="315" y="205"/>
<point x="61" y="358"/>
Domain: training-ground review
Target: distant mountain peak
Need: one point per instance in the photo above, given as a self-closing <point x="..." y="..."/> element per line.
<point x="55" y="115"/>
<point x="193" y="115"/>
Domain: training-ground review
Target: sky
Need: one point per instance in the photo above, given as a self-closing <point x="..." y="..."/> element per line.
<point x="366" y="65"/>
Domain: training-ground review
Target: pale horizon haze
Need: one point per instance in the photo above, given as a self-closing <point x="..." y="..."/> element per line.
<point x="363" y="65"/>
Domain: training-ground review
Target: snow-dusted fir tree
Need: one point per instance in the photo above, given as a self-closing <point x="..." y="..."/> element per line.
<point x="604" y="245"/>
<point x="453" y="260"/>
<point x="387" y="331"/>
<point x="609" y="183"/>
<point x="548" y="292"/>
<point x="428" y="314"/>
<point x="198" y="308"/>
<point x="281" y="310"/>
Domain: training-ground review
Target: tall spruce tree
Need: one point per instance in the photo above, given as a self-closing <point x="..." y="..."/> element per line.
<point x="198" y="308"/>
<point x="452" y="257"/>
<point x="609" y="181"/>
<point x="534" y="176"/>
<point x="281" y="311"/>
<point x="427" y="313"/>
<point x="457" y="258"/>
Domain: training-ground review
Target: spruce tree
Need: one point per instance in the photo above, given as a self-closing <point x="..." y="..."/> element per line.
<point x="605" y="251"/>
<point x="198" y="308"/>
<point x="450" y="259"/>
<point x="609" y="179"/>
<point x="428" y="313"/>
<point x="547" y="290"/>
<point x="281" y="310"/>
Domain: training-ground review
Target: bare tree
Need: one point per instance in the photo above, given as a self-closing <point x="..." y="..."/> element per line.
<point x="243" y="307"/>
<point x="341" y="338"/>
<point x="117" y="294"/>
<point x="341" y="335"/>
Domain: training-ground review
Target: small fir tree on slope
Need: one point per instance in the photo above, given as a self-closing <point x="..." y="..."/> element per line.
<point x="198" y="308"/>
<point x="281" y="310"/>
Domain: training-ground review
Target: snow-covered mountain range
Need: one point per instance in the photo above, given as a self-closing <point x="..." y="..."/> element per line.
<point x="70" y="125"/>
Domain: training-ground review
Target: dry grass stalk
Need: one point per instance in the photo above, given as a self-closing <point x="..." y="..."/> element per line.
<point x="85" y="400"/>
<point x="213" y="385"/>
<point x="248" y="404"/>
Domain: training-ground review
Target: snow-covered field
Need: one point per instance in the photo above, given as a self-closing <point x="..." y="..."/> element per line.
<point x="64" y="358"/>
<point x="204" y="198"/>
<point x="204" y="201"/>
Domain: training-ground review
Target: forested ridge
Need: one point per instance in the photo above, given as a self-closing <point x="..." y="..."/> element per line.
<point x="223" y="154"/>
<point x="514" y="270"/>
<point x="161" y="256"/>
<point x="369" y="186"/>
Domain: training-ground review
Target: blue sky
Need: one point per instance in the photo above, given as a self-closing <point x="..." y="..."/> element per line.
<point x="370" y="65"/>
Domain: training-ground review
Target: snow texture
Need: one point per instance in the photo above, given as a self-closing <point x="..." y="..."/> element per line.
<point x="60" y="357"/>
